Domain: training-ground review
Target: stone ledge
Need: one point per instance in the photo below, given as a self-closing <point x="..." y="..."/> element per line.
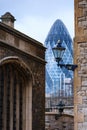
<point x="80" y="39"/>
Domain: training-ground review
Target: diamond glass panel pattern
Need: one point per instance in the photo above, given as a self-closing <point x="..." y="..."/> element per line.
<point x="59" y="80"/>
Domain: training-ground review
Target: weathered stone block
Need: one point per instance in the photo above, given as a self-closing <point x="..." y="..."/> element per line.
<point x="81" y="60"/>
<point x="80" y="117"/>
<point x="28" y="58"/>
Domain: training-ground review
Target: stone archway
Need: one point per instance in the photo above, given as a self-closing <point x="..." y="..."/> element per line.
<point x="15" y="95"/>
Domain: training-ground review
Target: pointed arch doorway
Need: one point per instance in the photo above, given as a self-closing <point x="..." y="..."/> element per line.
<point x="15" y="96"/>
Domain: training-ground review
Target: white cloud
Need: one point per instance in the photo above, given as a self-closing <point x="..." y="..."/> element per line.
<point x="35" y="18"/>
<point x="35" y="27"/>
<point x="38" y="27"/>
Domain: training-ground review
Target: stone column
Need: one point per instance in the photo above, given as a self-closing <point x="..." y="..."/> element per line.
<point x="80" y="58"/>
<point x="11" y="99"/>
<point x="24" y="107"/>
<point x="17" y="104"/>
<point x="4" y="100"/>
<point x="29" y="106"/>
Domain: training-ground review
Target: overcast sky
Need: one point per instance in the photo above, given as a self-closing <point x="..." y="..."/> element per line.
<point x="35" y="17"/>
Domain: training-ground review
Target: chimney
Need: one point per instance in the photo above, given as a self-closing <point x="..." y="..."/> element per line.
<point x="8" y="19"/>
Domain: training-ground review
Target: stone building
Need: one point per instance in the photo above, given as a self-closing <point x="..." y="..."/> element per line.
<point x="62" y="122"/>
<point x="80" y="58"/>
<point x="22" y="79"/>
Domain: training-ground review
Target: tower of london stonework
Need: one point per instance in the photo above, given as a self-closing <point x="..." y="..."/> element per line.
<point x="80" y="58"/>
<point x="22" y="79"/>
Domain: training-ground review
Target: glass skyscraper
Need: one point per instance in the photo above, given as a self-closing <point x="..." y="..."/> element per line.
<point x="59" y="81"/>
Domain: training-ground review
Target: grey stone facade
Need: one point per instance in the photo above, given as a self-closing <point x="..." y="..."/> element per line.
<point x="27" y="57"/>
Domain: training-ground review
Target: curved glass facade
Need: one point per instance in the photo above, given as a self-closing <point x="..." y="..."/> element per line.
<point x="59" y="81"/>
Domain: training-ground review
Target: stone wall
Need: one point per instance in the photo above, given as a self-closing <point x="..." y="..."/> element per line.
<point x="80" y="58"/>
<point x="65" y="122"/>
<point x="15" y="46"/>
